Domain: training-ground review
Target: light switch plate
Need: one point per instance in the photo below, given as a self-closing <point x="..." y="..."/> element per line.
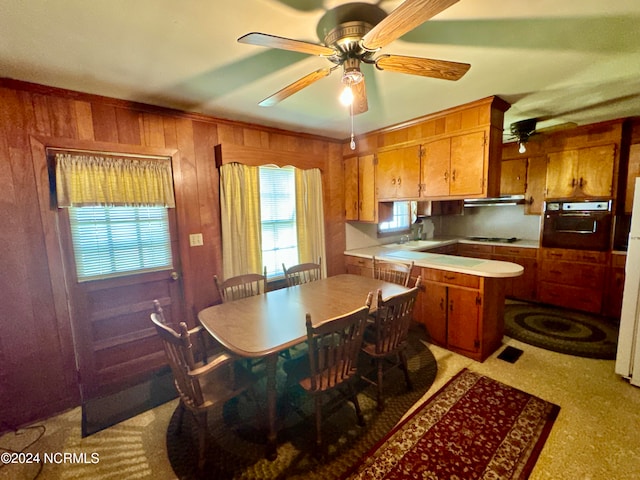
<point x="195" y="240"/>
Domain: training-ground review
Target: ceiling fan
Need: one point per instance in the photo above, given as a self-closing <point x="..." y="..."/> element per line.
<point x="523" y="130"/>
<point x="354" y="33"/>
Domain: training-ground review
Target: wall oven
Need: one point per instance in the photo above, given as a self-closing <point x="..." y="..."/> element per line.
<point x="577" y="224"/>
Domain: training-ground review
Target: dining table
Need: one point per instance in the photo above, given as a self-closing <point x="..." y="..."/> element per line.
<point x="264" y="325"/>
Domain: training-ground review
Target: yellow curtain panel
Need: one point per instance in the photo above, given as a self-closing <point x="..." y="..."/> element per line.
<point x="310" y="217"/>
<point x="240" y="219"/>
<point x="88" y="180"/>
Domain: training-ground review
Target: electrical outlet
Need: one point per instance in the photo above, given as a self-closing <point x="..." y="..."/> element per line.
<point x="195" y="240"/>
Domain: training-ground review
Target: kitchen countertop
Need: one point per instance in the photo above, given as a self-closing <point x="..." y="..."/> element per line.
<point x="418" y="251"/>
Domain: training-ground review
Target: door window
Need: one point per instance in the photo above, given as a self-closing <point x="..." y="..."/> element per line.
<point x="116" y="241"/>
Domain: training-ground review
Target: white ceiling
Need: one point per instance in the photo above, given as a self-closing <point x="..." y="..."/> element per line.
<point x="558" y="60"/>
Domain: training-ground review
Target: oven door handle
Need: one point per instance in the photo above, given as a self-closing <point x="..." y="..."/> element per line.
<point x="576" y="214"/>
<point x="580" y="231"/>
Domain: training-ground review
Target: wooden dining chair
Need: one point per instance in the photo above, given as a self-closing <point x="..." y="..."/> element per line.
<point x="202" y="351"/>
<point x="331" y="362"/>
<point x="201" y="385"/>
<point x="394" y="272"/>
<point x="386" y="342"/>
<point x="303" y="273"/>
<point x="241" y="286"/>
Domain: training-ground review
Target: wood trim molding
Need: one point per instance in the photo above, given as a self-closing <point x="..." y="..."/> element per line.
<point x="495" y="102"/>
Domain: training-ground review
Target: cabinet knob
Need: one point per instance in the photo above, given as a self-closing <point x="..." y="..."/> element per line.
<point x="453" y="176"/>
<point x="399" y="180"/>
<point x="446" y="176"/>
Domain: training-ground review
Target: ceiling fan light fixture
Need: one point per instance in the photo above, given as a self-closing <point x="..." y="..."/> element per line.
<point x="346" y="96"/>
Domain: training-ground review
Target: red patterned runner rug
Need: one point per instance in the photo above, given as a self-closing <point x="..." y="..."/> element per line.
<point x="472" y="428"/>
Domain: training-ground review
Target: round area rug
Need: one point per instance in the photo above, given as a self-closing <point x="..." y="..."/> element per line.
<point x="561" y="330"/>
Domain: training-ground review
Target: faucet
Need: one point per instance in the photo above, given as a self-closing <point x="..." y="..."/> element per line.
<point x="418" y="232"/>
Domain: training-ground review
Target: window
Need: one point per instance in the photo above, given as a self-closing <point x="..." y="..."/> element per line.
<point x="117" y="241"/>
<point x="404" y="213"/>
<point x="278" y="217"/>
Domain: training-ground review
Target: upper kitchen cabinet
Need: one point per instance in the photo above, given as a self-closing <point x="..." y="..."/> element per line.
<point x="584" y="161"/>
<point x="449" y="155"/>
<point x="582" y="172"/>
<point x="524" y="173"/>
<point x="455" y="166"/>
<point x="633" y="171"/>
<point x="436" y="164"/>
<point x="359" y="191"/>
<point x="513" y="176"/>
<point x="398" y="173"/>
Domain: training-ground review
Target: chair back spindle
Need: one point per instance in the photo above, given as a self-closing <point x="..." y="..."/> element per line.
<point x="394" y="272"/>
<point x="241" y="286"/>
<point x="303" y="273"/>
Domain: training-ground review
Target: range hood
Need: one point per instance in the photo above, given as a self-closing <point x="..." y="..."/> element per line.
<point x="495" y="202"/>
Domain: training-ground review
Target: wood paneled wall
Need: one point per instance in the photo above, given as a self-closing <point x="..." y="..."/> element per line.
<point x="38" y="375"/>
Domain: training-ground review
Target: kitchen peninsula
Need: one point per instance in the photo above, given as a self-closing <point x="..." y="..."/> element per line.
<point x="461" y="302"/>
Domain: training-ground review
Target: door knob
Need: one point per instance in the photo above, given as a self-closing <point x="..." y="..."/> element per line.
<point x="175" y="275"/>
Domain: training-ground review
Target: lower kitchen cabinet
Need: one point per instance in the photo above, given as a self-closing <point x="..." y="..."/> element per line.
<point x="520" y="288"/>
<point x="573" y="279"/>
<point x="475" y="250"/>
<point x="359" y="265"/>
<point x="614" y="286"/>
<point x="524" y="286"/>
<point x="463" y="313"/>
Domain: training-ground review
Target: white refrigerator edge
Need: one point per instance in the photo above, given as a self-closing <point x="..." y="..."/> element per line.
<point x="628" y="354"/>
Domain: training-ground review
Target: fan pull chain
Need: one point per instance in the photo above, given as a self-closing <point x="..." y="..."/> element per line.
<point x="353" y="141"/>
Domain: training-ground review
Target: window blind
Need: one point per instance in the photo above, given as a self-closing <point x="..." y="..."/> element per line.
<point x="115" y="241"/>
<point x="278" y="219"/>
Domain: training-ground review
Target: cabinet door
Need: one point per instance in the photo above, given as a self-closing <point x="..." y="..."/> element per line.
<point x="614" y="287"/>
<point x="595" y="170"/>
<point x="435" y="168"/>
<point x="434" y="312"/>
<point x="513" y="176"/>
<point x="510" y="284"/>
<point x="536" y="178"/>
<point x="367" y="204"/>
<point x="463" y="332"/>
<point x="408" y="164"/>
<point x="398" y="173"/>
<point x="467" y="164"/>
<point x="386" y="176"/>
<point x="632" y="173"/>
<point x="524" y="286"/>
<point x="351" y="188"/>
<point x="561" y="170"/>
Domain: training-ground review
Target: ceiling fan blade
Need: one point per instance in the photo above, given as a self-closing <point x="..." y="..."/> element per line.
<point x="273" y="41"/>
<point x="427" y="67"/>
<point x="360" y="104"/>
<point x="296" y="86"/>
<point x="406" y="17"/>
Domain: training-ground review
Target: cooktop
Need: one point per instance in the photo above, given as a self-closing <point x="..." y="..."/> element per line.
<point x="494" y="239"/>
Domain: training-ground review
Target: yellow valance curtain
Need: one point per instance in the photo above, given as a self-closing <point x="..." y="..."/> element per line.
<point x="84" y="180"/>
